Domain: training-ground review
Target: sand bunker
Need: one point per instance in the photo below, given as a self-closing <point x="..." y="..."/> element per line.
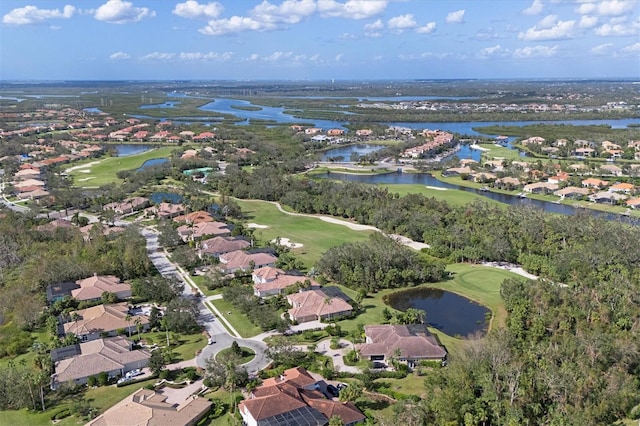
<point x="255" y="225"/>
<point x="83" y="166"/>
<point x="436" y="188"/>
<point x="287" y="243"/>
<point x="85" y="179"/>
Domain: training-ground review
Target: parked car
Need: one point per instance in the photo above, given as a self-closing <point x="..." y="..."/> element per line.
<point x="133" y="373"/>
<point x="211" y="341"/>
<point x="333" y="390"/>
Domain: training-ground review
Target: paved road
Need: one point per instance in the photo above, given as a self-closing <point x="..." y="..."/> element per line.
<point x="224" y="340"/>
<point x="11" y="205"/>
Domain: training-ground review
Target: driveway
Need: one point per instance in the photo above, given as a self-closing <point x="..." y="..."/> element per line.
<point x="335" y="354"/>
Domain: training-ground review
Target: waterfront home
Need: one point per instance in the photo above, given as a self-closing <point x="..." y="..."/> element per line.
<point x="540" y="187"/>
<point x="623" y="187"/>
<point x="571" y="192"/>
<point x="606" y="197"/>
<point x="634" y="203"/>
<point x="409" y="344"/>
<point x="166" y="210"/>
<point x="508" y="182"/>
<point x="270" y="281"/>
<point x="457" y="171"/>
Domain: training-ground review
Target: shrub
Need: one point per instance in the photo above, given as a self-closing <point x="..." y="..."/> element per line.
<point x="92" y="381"/>
<point x="61" y="414"/>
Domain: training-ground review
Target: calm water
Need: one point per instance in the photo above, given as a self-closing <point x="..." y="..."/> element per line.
<point x="168" y="104"/>
<point x="126" y="149"/>
<point x="450" y="313"/>
<point x="159" y="197"/>
<point x="152" y="162"/>
<point x="346" y="151"/>
<point x="428" y="180"/>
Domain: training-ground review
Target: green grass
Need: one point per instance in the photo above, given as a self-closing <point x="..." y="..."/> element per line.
<point x="183" y="349"/>
<point x="238" y="320"/>
<point x="246" y="355"/>
<point x="105" y="170"/>
<point x="455" y="197"/>
<point x="316" y="235"/>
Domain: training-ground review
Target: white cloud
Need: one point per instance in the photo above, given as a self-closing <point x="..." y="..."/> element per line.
<point x="339" y="57"/>
<point x="549" y="29"/>
<point x="235" y="24"/>
<point x="347" y="36"/>
<point x="122" y="12"/>
<point x="402" y="22"/>
<point x="374" y="29"/>
<point x="632" y="48"/>
<point x="456" y="17"/>
<point x="535" y="52"/>
<point x="601" y="49"/>
<point x="588" y="21"/>
<point x="33" y="15"/>
<point x="612" y="30"/>
<point x="352" y="9"/>
<point x="614" y="7"/>
<point x="487" y="34"/>
<point x="493" y="52"/>
<point x="535" y="8"/>
<point x="192" y="9"/>
<point x="290" y="11"/>
<point x="586" y="8"/>
<point x="427" y="29"/>
<point x="158" y="56"/>
<point x="315" y="58"/>
<point x="208" y="56"/>
<point x="119" y="56"/>
<point x="378" y="58"/>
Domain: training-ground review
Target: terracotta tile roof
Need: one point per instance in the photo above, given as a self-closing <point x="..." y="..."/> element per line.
<point x="101" y="318"/>
<point x="316" y="303"/>
<point x="93" y="287"/>
<point x="242" y="260"/>
<point x="220" y="245"/>
<point x="413" y="341"/>
<point x="194" y="217"/>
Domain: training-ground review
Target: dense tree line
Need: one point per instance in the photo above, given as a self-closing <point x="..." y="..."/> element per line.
<point x="262" y="313"/>
<point x="567" y="356"/>
<point x="381" y="262"/>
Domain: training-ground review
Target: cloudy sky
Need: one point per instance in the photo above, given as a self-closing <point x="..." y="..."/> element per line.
<point x="318" y="39"/>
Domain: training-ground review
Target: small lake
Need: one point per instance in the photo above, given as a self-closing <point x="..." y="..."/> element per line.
<point x="448" y="312"/>
<point x="152" y="162"/>
<point x="161" y="197"/>
<point x="346" y="151"/>
<point x="92" y="110"/>
<point x="168" y="104"/>
<point x="126" y="149"/>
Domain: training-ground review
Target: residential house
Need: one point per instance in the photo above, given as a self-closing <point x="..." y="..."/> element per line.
<point x="294" y="398"/>
<point x="540" y="187"/>
<point x="508" y="182"/>
<point x="59" y="291"/>
<point x="483" y="177"/>
<point x="315" y="305"/>
<point x="56" y="224"/>
<point x="583" y="152"/>
<point x="405" y="343"/>
<point x="559" y="178"/>
<point x="457" y="171"/>
<point x="194" y="217"/>
<point x="571" y="192"/>
<point x="220" y="245"/>
<point x="634" y="203"/>
<point x="534" y="140"/>
<point x="114" y="355"/>
<point x="623" y="187"/>
<point x="335" y="132"/>
<point x="103" y="229"/>
<point x="611" y="169"/>
<point x="91" y="289"/>
<point x="364" y="132"/>
<point x="203" y="229"/>
<point x="166" y="210"/>
<point x="149" y="408"/>
<point x="270" y="281"/>
<point x="594" y="183"/>
<point x="242" y="260"/>
<point x="103" y="320"/>
<point x="605" y="197"/>
<point x="129" y="205"/>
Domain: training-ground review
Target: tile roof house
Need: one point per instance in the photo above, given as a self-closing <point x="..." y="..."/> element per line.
<point x="92" y="288"/>
<point x="100" y="320"/>
<point x="166" y="210"/>
<point x="220" y="245"/>
<point x="627" y="188"/>
<point x="242" y="260"/>
<point x="594" y="183"/>
<point x="540" y="187"/>
<point x="270" y="281"/>
<point x="315" y="305"/>
<point x="605" y="197"/>
<point x="128" y="205"/>
<point x="194" y="217"/>
<point x="149" y="408"/>
<point x="611" y="169"/>
<point x="293" y="399"/>
<point x="203" y="229"/>
<point x="114" y="355"/>
<point x="634" y="203"/>
<point x="408" y="343"/>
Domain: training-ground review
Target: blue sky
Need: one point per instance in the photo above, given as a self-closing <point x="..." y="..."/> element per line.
<point x="318" y="39"/>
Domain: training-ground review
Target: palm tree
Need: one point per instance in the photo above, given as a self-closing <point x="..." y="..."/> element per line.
<point x="128" y="320"/>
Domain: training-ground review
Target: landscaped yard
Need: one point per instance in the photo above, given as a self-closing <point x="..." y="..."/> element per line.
<point x="104" y="170"/>
<point x="317" y="236"/>
<point x="237" y="320"/>
<point x="183" y="349"/>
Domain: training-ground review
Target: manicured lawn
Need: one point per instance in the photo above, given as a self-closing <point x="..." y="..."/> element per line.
<point x="316" y="235"/>
<point x="238" y="320"/>
<point x="106" y="168"/>
<point x="495" y="151"/>
<point x="452" y="196"/>
<point x="183" y="349"/>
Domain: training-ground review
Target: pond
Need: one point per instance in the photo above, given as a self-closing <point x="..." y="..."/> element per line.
<point x="448" y="312"/>
<point x="346" y="151"/>
<point x="152" y="162"/>
<point x="126" y="149"/>
<point x="161" y="197"/>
